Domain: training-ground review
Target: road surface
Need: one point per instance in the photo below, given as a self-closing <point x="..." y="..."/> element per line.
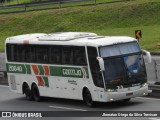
<point x="16" y="102"/>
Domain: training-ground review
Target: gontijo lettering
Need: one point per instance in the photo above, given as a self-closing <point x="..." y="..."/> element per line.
<point x="71" y="72"/>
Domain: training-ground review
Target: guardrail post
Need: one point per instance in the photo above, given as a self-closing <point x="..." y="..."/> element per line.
<point x="95" y="2"/>
<point x="59" y="3"/>
<point x="156" y="71"/>
<point x="25" y="9"/>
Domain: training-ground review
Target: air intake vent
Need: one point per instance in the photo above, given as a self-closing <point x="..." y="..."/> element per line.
<point x="12" y="82"/>
<point x="96" y="37"/>
<point x="66" y="36"/>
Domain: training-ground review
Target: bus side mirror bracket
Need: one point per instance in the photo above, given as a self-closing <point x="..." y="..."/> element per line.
<point x="148" y="54"/>
<point x="101" y="64"/>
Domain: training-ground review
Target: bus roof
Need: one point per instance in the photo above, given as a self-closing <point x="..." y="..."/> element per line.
<point x="69" y="38"/>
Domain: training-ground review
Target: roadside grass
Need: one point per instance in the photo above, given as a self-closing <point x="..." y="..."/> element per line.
<point x="117" y="18"/>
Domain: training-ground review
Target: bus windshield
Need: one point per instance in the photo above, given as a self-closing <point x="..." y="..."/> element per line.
<point x="124" y="65"/>
<point x="124" y="70"/>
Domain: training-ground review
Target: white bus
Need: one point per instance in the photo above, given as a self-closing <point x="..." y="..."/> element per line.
<point x="76" y="65"/>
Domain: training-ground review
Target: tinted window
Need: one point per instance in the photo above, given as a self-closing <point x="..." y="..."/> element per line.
<point x="67" y="55"/>
<point x="15" y="53"/>
<point x="94" y="66"/>
<point x="29" y="53"/>
<point x="119" y="49"/>
<point x="70" y="55"/>
<point x="18" y="53"/>
<point x="80" y="56"/>
<point x="42" y="54"/>
<point x="55" y="54"/>
<point x="10" y="52"/>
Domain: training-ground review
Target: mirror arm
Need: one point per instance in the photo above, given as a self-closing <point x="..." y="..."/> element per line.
<point x="101" y="64"/>
<point x="148" y="54"/>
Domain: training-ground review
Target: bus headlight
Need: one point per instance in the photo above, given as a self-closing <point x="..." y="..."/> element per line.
<point x="144" y="94"/>
<point x="111" y="90"/>
<point x="145" y="84"/>
<point x="111" y="99"/>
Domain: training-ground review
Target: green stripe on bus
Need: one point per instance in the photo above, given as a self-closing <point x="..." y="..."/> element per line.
<point x="76" y="72"/>
<point x="28" y="69"/>
<point x="46" y="81"/>
<point x="55" y="71"/>
<point x="41" y="70"/>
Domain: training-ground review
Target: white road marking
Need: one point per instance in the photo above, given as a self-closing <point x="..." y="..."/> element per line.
<point x="67" y="108"/>
<point x="154" y="118"/>
<point x="4" y="86"/>
<point x="148" y="98"/>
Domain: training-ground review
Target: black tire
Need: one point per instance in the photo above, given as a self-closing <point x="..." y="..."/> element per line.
<point x="35" y="92"/>
<point x="27" y="92"/>
<point x="88" y="98"/>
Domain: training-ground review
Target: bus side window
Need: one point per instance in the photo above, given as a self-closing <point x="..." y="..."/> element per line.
<point x="29" y="51"/>
<point x="10" y="52"/>
<point x="42" y="54"/>
<point x="94" y="67"/>
<point x="80" y="56"/>
<point x="14" y="52"/>
<point x="18" y="53"/>
<point x="55" y="54"/>
<point x="67" y="55"/>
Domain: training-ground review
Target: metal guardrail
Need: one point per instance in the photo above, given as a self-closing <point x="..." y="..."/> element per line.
<point x="154" y="87"/>
<point x="24" y="7"/>
<point x="9" y="7"/>
<point x="153" y="72"/>
<point x="2" y="72"/>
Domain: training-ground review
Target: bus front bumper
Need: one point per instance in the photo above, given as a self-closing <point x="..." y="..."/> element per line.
<point x="121" y="95"/>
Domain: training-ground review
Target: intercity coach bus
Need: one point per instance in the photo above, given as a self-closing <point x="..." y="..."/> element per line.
<point x="76" y="65"/>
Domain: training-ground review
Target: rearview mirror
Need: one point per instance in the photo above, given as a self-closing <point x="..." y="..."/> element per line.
<point x="101" y="63"/>
<point x="148" y="55"/>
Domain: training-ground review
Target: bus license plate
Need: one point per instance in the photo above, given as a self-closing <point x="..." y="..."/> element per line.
<point x="129" y="94"/>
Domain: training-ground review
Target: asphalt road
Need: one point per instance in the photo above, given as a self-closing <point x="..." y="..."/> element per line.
<point x="10" y="101"/>
<point x="16" y="102"/>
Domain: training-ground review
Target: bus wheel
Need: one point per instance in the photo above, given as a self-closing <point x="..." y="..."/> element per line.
<point x="88" y="98"/>
<point x="35" y="92"/>
<point x="28" y="92"/>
